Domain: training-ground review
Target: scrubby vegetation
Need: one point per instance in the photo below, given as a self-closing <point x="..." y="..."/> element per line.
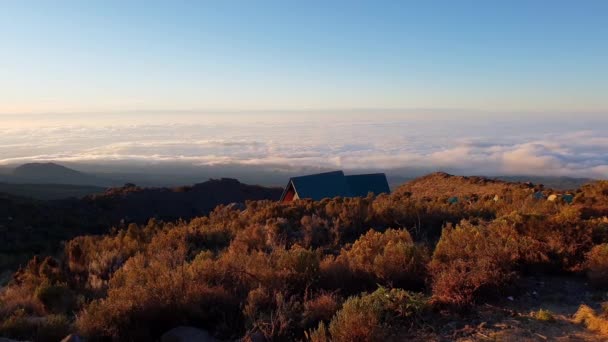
<point x="342" y="269"/>
<point x="592" y="320"/>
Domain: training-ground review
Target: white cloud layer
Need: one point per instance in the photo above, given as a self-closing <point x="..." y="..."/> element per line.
<point x="508" y="148"/>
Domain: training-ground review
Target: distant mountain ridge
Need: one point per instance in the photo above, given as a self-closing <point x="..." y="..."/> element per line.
<point x="52" y="173"/>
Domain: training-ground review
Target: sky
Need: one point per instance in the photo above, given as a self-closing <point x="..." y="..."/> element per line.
<point x="108" y="56"/>
<point x="476" y="87"/>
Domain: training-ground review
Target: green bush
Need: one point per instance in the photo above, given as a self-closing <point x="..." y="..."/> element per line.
<point x="370" y="317"/>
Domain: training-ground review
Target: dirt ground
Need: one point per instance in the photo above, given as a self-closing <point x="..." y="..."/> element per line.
<point x="513" y="318"/>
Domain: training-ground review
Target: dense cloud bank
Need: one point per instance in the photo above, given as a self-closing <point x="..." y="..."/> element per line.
<point x="497" y="148"/>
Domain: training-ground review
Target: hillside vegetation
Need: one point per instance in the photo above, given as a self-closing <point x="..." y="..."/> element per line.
<point x="409" y="265"/>
<point x="29" y="226"/>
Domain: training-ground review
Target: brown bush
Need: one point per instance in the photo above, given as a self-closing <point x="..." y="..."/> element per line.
<point x="144" y="291"/>
<point x="471" y="258"/>
<point x="597" y="265"/>
<point x="50" y="328"/>
<point x="319" y="309"/>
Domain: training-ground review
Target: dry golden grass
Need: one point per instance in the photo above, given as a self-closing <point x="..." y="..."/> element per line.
<point x="588" y="317"/>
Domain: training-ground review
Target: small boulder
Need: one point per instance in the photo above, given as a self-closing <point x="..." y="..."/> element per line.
<point x="187" y="334"/>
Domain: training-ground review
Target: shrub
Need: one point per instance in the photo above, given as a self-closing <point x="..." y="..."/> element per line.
<point x="318" y="335"/>
<point x="319" y="309"/>
<point x="17" y="325"/>
<point x="57" y="298"/>
<point x="472" y="258"/>
<point x="597" y="265"/>
<point x="588" y="317"/>
<point x="279" y="321"/>
<point x="50" y="328"/>
<point x="390" y="258"/>
<point x="147" y="297"/>
<point x="335" y="274"/>
<point x="297" y="268"/>
<point x="357" y="321"/>
<point x="371" y="316"/>
<point x="543" y="315"/>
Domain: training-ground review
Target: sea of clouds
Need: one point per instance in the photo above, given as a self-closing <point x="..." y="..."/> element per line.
<point x="507" y="147"/>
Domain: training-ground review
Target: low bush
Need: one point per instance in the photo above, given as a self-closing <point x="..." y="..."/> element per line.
<point x="472" y="259"/>
<point x="144" y="291"/>
<point x="319" y="309"/>
<point x="56" y="298"/>
<point x="370" y="317"/>
<point x="590" y="319"/>
<point x="543" y="315"/>
<point x="50" y="328"/>
<point x="391" y="258"/>
<point x="597" y="265"/>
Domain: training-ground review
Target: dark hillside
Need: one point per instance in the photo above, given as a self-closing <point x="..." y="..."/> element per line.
<point x="49" y="191"/>
<point x="29" y="226"/>
<point x="136" y="204"/>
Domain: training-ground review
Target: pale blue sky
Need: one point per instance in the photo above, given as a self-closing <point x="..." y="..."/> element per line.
<point x="494" y="56"/>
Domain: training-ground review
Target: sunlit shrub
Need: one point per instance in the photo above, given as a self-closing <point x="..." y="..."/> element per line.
<point x="370" y="317"/>
<point x="390" y="257"/>
<point x="543" y="315"/>
<point x="590" y="319"/>
<point x="297" y="268"/>
<point x="144" y="291"/>
<point x="472" y="258"/>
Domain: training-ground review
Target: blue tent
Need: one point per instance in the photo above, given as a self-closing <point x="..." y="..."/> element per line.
<point x="539" y="195"/>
